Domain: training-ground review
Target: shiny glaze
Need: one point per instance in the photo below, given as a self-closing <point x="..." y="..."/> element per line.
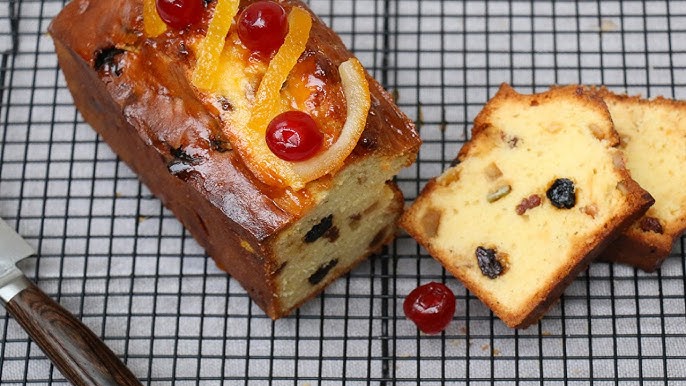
<point x="168" y="113"/>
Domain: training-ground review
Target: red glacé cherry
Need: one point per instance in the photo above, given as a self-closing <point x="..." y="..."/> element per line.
<point x="179" y="14"/>
<point x="294" y="136"/>
<point x="430" y="306"/>
<point x="262" y="27"/>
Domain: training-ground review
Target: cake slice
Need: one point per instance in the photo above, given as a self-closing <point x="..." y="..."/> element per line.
<point x="535" y="195"/>
<point x="653" y="138"/>
<point x="194" y="134"/>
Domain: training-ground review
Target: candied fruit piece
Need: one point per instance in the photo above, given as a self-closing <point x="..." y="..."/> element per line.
<point x="319" y="229"/>
<point x="321" y="272"/>
<point x="211" y="46"/>
<point x="493" y="171"/>
<point x="498" y="193"/>
<point x="153" y="25"/>
<point x="527" y="203"/>
<point x="430" y="306"/>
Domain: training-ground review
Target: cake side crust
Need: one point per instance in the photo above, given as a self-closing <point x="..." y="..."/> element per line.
<point x="196" y="213"/>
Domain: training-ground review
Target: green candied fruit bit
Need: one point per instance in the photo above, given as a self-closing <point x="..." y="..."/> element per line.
<point x="498" y="193"/>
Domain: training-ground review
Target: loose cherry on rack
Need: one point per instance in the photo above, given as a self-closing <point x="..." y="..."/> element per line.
<point x="294" y="136"/>
<point x="430" y="306"/>
<point x="262" y="26"/>
<point x="179" y="14"/>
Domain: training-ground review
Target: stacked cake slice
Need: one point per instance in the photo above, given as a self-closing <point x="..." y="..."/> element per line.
<point x="653" y="139"/>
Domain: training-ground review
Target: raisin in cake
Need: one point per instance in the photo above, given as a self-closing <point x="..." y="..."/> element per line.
<point x="536" y="193"/>
<point x="284" y="239"/>
<point x="653" y="139"/>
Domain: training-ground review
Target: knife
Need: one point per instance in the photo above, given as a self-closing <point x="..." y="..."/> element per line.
<point x="76" y="351"/>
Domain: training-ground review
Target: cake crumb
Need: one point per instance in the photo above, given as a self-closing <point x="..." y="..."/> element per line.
<point x="608" y="25"/>
<point x="431" y="221"/>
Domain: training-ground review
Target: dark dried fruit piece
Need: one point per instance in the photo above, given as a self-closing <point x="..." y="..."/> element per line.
<point x="561" y="193"/>
<point x="488" y="262"/>
<point x="527" y="203"/>
<point x="318" y="230"/>
<point x="321" y="272"/>
<point x="106" y="61"/>
<point x="280" y="268"/>
<point x="651" y="224"/>
<point x="332" y="234"/>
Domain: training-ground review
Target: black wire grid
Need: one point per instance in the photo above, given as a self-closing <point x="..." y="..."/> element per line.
<point x="111" y="254"/>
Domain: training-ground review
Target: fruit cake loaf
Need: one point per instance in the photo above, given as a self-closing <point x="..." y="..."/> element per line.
<point x="189" y="107"/>
<point x="653" y="138"/>
<point x="535" y="195"/>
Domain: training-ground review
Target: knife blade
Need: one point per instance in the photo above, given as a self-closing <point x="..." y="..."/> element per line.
<point x="76" y="351"/>
<point x="12" y="249"/>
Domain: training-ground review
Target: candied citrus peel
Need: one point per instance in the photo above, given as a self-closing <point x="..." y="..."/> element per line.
<point x="250" y="141"/>
<point x="211" y="46"/>
<point x="356" y="91"/>
<point x="247" y="131"/>
<point x="152" y="23"/>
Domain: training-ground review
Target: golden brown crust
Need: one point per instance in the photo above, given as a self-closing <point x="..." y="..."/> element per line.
<point x="636" y="253"/>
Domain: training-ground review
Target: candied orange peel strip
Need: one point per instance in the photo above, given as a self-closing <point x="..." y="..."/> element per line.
<point x="267" y="101"/>
<point x="212" y="45"/>
<point x="249" y="140"/>
<point x="356" y="91"/>
<point x="247" y="134"/>
<point x="152" y="23"/>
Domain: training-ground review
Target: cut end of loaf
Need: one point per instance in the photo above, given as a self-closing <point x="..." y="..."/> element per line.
<point x="653" y="140"/>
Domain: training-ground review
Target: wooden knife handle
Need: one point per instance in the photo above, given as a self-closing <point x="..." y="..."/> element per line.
<point x="75" y="350"/>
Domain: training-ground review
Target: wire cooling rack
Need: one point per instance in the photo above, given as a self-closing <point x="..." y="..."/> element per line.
<point x="111" y="254"/>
